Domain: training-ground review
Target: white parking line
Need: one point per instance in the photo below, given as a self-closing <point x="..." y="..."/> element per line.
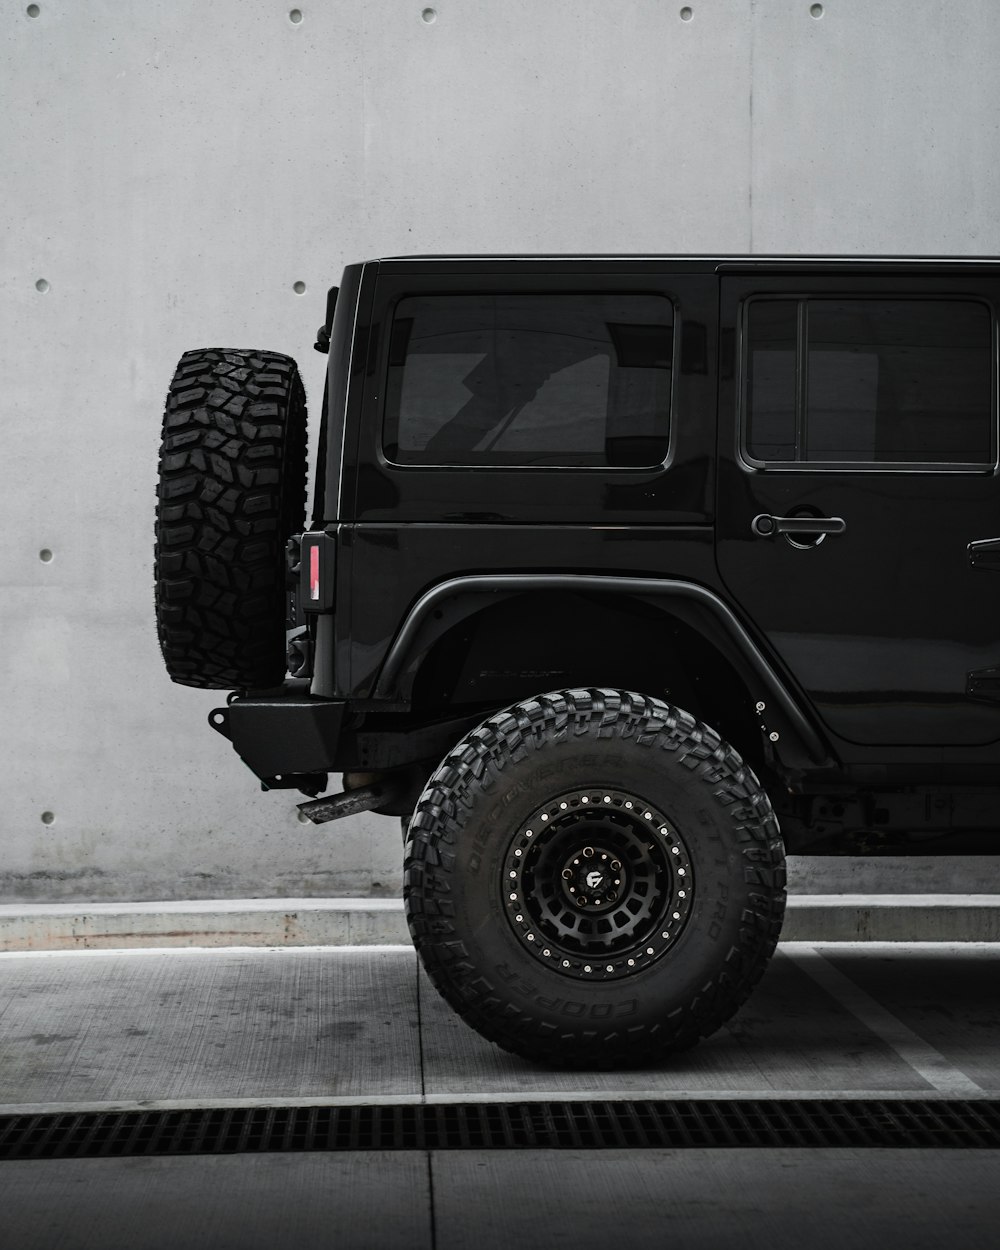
<point x="142" y="952"/>
<point x="483" y="1097"/>
<point x="911" y="1048"/>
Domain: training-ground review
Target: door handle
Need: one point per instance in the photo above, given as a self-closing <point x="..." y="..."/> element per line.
<point x="766" y="526"/>
<point x="984" y="553"/>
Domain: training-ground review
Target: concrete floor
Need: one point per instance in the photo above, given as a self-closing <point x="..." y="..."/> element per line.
<point x="188" y="1027"/>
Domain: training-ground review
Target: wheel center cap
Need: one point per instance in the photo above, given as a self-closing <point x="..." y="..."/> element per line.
<point x="593" y="877"/>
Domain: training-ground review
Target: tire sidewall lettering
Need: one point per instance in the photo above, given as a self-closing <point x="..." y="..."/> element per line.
<point x="502" y="987"/>
<point x="573" y="1008"/>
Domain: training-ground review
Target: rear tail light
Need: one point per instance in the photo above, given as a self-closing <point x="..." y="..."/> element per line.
<point x="318" y="567"/>
<point x="314" y="587"/>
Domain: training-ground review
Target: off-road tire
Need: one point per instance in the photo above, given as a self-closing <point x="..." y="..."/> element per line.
<point x="231" y="491"/>
<point x="582" y="749"/>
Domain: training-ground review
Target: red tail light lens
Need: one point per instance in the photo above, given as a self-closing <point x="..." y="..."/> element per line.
<point x="314" y="593"/>
<point x="317" y="571"/>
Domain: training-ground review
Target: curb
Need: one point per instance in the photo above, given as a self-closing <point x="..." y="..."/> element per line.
<point x="380" y="922"/>
<point x="210" y="922"/>
<point x="892" y="918"/>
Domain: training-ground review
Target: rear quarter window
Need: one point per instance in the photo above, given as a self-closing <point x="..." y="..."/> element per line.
<point x="580" y="380"/>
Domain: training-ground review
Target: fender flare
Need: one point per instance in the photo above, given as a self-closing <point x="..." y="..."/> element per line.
<point x="450" y="602"/>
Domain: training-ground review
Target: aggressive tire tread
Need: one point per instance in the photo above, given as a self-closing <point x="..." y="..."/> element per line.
<point x="231" y="490"/>
<point x="472" y="768"/>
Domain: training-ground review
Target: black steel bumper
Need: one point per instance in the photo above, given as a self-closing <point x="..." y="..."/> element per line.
<point x="288" y="735"/>
<point x="281" y="735"/>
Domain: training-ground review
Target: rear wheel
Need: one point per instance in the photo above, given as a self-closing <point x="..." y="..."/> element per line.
<point x="594" y="878"/>
<point x="231" y="491"/>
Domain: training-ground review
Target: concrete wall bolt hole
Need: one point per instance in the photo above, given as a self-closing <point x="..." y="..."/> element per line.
<point x="299" y="288"/>
<point x="429" y="16"/>
<point x="48" y="818"/>
<point x="45" y="555"/>
<point x="41" y="286"/>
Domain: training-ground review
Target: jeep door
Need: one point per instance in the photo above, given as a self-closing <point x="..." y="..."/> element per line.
<point x="857" y="468"/>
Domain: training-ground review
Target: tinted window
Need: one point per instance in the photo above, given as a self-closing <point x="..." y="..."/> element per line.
<point x="869" y="381"/>
<point x="771" y="379"/>
<point x="529" y="380"/>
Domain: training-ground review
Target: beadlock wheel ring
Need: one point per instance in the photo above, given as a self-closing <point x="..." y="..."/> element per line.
<point x="597" y="884"/>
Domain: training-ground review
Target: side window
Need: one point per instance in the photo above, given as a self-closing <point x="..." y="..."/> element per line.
<point x="869" y="381"/>
<point x="518" y="380"/>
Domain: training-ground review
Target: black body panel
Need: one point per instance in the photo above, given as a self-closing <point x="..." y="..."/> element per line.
<point x="882" y="623"/>
<point x="861" y="665"/>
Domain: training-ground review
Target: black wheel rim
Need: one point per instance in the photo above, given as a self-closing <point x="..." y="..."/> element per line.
<point x="597" y="884"/>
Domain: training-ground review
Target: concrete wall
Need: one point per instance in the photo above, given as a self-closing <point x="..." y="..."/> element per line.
<point x="174" y="167"/>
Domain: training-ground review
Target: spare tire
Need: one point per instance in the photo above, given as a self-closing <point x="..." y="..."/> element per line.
<point x="231" y="491"/>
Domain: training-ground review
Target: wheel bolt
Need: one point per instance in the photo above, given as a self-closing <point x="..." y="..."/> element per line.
<point x="588" y="852"/>
<point x="567" y="875"/>
<point x="615" y="865"/>
<point x="581" y="901"/>
<point x="611" y="896"/>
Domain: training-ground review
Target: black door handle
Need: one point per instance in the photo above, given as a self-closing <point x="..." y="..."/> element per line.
<point x="766" y="526"/>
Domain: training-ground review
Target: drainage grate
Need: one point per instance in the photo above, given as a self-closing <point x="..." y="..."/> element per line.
<point x="505" y="1126"/>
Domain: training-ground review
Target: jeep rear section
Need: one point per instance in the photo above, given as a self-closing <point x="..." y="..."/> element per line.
<point x="465" y="585"/>
<point x="729" y="520"/>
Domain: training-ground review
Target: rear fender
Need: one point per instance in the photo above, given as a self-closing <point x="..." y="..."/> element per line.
<point x="789" y="733"/>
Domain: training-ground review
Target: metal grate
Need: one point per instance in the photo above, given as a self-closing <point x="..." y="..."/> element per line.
<point x="505" y="1126"/>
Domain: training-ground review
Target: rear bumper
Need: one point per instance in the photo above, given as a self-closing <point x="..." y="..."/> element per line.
<point x="290" y="733"/>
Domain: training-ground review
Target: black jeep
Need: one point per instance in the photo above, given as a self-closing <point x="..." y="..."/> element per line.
<point x="615" y="564"/>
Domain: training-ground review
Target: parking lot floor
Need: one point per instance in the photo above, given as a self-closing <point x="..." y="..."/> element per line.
<point x="337" y="1026"/>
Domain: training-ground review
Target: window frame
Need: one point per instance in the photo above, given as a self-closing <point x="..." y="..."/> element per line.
<point x="501" y="289"/>
<point x="801" y="298"/>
